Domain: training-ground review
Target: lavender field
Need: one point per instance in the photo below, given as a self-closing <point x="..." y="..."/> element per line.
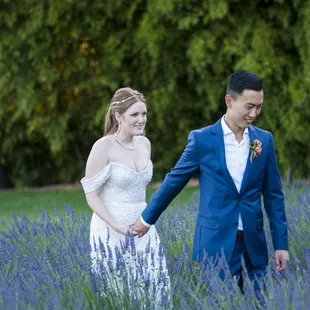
<point x="45" y="264"/>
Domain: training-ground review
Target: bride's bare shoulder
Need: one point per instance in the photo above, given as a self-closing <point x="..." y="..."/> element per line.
<point x="104" y="143"/>
<point x="145" y="142"/>
<point x="99" y="156"/>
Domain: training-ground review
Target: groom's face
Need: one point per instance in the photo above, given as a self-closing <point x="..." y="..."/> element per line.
<point x="242" y="109"/>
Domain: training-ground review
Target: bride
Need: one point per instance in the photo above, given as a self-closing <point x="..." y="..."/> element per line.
<point x="118" y="170"/>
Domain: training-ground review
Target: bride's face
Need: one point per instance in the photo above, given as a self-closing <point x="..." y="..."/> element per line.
<point x="134" y="119"/>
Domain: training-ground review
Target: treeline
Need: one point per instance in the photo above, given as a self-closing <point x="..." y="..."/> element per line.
<point x="61" y="61"/>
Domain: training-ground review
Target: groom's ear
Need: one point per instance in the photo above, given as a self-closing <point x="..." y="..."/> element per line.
<point x="228" y="101"/>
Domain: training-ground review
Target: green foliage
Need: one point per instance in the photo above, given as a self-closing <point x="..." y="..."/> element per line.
<point x="61" y="61"/>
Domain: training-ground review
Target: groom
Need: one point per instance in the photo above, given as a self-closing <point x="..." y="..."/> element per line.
<point x="236" y="165"/>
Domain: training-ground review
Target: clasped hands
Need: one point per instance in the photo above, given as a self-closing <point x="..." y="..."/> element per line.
<point x="138" y="228"/>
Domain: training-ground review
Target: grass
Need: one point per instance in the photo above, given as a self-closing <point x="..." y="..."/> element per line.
<point x="31" y="202"/>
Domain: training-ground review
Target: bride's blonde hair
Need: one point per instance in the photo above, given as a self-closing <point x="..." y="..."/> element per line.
<point x="122" y="100"/>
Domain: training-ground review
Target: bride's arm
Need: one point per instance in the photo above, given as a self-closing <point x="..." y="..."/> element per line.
<point x="96" y="204"/>
<point x="97" y="161"/>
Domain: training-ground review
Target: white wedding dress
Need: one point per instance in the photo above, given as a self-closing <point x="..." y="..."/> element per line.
<point x="123" y="192"/>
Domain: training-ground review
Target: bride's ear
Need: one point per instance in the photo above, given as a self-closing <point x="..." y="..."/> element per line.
<point x="117" y="117"/>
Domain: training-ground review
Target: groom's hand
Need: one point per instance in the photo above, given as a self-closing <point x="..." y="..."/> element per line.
<point x="282" y="259"/>
<point x="139" y="229"/>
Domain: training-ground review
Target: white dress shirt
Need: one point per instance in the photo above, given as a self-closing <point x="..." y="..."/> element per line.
<point x="236" y="156"/>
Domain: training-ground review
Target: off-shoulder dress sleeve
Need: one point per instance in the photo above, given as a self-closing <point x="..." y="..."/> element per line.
<point x="92" y="184"/>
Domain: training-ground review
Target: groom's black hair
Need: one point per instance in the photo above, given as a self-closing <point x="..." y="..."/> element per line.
<point x="241" y="80"/>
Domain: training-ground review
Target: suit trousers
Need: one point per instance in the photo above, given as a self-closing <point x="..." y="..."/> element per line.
<point x="240" y="260"/>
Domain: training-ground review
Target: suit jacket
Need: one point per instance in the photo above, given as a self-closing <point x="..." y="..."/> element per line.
<point x="220" y="202"/>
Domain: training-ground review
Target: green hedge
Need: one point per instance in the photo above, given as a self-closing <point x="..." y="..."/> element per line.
<point x="61" y="60"/>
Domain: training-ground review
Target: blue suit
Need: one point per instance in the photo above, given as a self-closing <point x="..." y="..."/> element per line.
<point x="220" y="202"/>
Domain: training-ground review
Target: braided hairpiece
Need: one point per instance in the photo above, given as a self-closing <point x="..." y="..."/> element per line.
<point x="122" y="101"/>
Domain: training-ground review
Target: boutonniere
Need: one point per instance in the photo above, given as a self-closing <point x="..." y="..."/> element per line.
<point x="256" y="149"/>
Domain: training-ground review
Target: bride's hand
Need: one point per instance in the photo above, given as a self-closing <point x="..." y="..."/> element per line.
<point x="123" y="228"/>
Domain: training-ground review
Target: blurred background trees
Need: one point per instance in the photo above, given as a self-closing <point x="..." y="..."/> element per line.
<point x="62" y="60"/>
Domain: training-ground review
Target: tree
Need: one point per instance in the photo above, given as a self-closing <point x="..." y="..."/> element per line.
<point x="61" y="61"/>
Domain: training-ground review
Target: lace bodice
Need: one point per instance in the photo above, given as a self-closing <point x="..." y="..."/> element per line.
<point x="120" y="183"/>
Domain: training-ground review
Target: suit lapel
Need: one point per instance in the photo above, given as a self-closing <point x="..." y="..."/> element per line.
<point x="219" y="149"/>
<point x="249" y="166"/>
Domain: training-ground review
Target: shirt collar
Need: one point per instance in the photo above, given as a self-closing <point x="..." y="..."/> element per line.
<point x="228" y="131"/>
